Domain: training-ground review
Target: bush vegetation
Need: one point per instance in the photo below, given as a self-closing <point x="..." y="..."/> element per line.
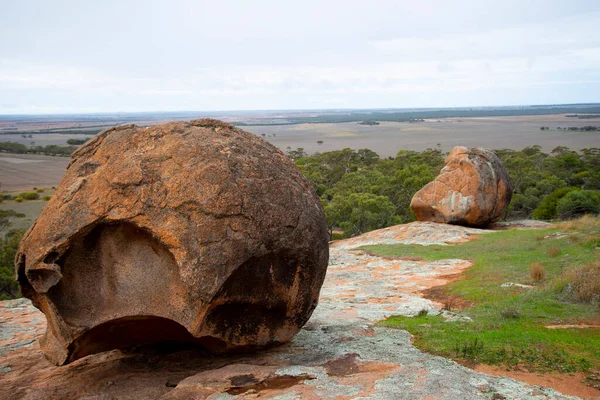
<point x="29" y="195"/>
<point x="583" y="282"/>
<point x="76" y="142"/>
<point x="52" y="149"/>
<point x="361" y="191"/>
<point x="6" y="217"/>
<point x="553" y="251"/>
<point x="8" y="249"/>
<point x="537" y="270"/>
<point x="546" y="210"/>
<point x="577" y="203"/>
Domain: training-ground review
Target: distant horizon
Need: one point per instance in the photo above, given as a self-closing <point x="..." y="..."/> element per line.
<point x="301" y="110"/>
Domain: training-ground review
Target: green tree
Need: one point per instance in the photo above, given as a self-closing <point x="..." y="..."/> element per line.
<point x="578" y="202"/>
<point x="8" y="250"/>
<point x="6" y="217"/>
<point x="76" y="142"/>
<point x="547" y="208"/>
<point x="29" y="195"/>
<point x="296" y="154"/>
<point x="360" y="212"/>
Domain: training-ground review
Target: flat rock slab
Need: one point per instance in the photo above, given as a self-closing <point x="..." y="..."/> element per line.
<point x="338" y="354"/>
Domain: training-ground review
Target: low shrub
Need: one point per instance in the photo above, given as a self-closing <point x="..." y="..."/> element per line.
<point x="423" y="312"/>
<point x="46" y="198"/>
<point x="40" y="190"/>
<point x="449" y="304"/>
<point x="76" y="142"/>
<point x="547" y="207"/>
<point x="18" y="199"/>
<point x="592" y="242"/>
<point x="584" y="283"/>
<point x="553" y="251"/>
<point x="469" y="349"/>
<point x="512" y="311"/>
<point x="537" y="271"/>
<point x="578" y="203"/>
<point x="29" y="195"/>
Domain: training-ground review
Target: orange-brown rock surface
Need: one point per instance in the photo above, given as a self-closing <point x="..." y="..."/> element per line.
<point x="192" y="232"/>
<point x="472" y="189"/>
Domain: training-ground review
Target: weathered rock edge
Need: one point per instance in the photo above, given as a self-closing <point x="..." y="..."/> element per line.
<point x="473" y="189"/>
<point x="188" y="231"/>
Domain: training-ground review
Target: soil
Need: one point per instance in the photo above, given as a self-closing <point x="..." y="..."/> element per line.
<point x="570" y="384"/>
<point x="574" y="326"/>
<point x="440" y="294"/>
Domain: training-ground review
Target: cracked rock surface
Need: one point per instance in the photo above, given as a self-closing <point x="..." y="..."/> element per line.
<point x="194" y="232"/>
<point x="338" y="354"/>
<point x="473" y="189"/>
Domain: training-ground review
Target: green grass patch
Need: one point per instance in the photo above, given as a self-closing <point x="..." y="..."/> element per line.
<point x="509" y="323"/>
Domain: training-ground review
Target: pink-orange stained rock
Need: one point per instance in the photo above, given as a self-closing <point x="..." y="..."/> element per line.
<point x="472" y="189"/>
<point x="195" y="232"/>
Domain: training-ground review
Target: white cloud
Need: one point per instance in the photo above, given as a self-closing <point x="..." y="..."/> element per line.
<point x="353" y="58"/>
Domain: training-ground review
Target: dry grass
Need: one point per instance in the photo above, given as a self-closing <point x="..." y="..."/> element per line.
<point x="593" y="242"/>
<point x="588" y="223"/>
<point x="584" y="282"/>
<point x="537" y="271"/>
<point x="511" y="311"/>
<point x="553" y="251"/>
<point x="449" y="304"/>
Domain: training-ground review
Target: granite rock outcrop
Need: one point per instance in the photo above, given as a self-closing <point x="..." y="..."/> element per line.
<point x="194" y="232"/>
<point x="473" y="189"/>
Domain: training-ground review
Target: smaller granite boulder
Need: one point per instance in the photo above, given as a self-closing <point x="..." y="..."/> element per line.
<point x="473" y="189"/>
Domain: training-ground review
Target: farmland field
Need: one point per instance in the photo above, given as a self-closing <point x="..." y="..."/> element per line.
<point x="388" y="137"/>
<point x="42" y="139"/>
<point x="26" y="171"/>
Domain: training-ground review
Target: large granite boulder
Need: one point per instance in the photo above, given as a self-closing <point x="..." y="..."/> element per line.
<point x="192" y="232"/>
<point x="473" y="189"/>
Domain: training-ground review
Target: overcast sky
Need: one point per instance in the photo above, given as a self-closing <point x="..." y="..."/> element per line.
<point x="95" y="56"/>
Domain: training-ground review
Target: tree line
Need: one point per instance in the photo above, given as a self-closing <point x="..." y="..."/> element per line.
<point x="361" y="191"/>
<point x="49" y="150"/>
